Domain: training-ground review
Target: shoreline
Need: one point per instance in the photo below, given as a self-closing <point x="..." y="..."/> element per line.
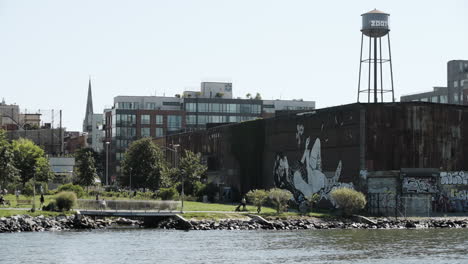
<point x="26" y="223"/>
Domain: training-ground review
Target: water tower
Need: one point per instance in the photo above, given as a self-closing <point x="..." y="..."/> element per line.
<point x="375" y="27"/>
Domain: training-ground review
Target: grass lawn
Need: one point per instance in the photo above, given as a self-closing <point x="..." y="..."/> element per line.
<point x="7" y="213"/>
<point x="199" y="206"/>
<point x="12" y="199"/>
<point x="213" y="216"/>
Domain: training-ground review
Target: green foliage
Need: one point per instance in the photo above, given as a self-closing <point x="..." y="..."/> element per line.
<point x="144" y="162"/>
<point x="86" y="168"/>
<point x="65" y="201"/>
<point x="30" y="160"/>
<point x="8" y="172"/>
<point x="190" y="170"/>
<point x="52" y="206"/>
<point x="209" y="190"/>
<point x="279" y="198"/>
<point x="313" y="200"/>
<point x="257" y="198"/>
<point x="258" y="96"/>
<point x="167" y="193"/>
<point x="78" y="190"/>
<point x="349" y="200"/>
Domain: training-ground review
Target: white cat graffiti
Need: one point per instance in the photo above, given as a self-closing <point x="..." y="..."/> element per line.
<point x="309" y="177"/>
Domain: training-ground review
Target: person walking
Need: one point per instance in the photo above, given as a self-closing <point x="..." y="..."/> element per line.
<point x="42" y="201"/>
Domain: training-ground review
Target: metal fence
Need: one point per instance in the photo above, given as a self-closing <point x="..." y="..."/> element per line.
<point x="383" y="204"/>
<point x="128" y="205"/>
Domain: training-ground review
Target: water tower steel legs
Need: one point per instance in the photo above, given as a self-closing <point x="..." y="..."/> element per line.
<point x="360" y="65"/>
<point x="369" y="61"/>
<point x="381" y="79"/>
<point x="375" y="49"/>
<point x="391" y="69"/>
<point x="375" y="70"/>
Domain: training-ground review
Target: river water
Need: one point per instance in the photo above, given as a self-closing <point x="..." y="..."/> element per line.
<point x="162" y="246"/>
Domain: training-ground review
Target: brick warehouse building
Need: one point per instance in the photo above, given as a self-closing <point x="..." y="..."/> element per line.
<point x="414" y="151"/>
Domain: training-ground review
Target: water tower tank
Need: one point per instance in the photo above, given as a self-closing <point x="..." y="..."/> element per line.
<point x="375" y="24"/>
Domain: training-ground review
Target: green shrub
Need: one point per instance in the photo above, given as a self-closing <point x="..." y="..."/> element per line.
<point x="78" y="190"/>
<point x="209" y="190"/>
<point x="65" y="200"/>
<point x="167" y="193"/>
<point x="52" y="206"/>
<point x="349" y="200"/>
<point x="28" y="189"/>
<point x="257" y="198"/>
<point x="279" y="198"/>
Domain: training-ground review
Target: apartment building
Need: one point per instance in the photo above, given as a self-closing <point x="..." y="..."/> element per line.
<point x="133" y="117"/>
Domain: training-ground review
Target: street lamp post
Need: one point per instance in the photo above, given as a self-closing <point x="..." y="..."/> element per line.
<point x="176" y="164"/>
<point x="107" y="162"/>
<point x="34" y="193"/>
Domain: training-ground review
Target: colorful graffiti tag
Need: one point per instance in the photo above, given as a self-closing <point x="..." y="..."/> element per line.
<point x="419" y="185"/>
<point x="305" y="176"/>
<point x="455" y="178"/>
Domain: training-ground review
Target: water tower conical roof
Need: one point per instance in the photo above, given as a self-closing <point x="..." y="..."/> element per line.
<point x="375" y="11"/>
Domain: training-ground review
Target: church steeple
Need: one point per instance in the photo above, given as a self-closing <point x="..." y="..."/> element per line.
<point x="89" y="109"/>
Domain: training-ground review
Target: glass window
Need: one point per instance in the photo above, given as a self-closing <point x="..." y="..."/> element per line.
<point x="234" y="108"/>
<point x="202" y="107"/>
<point x="223" y="108"/>
<point x="159" y="120"/>
<point x="191" y="119"/>
<point x="233" y="119"/>
<point x="202" y="119"/>
<point x="145" y="132"/>
<point x="245" y="108"/>
<point x="174" y="122"/>
<point x="119" y="156"/>
<point x="190" y="107"/>
<point x="455" y="84"/>
<point x="159" y="132"/>
<point x="434" y="99"/>
<point x="455" y="98"/>
<point x="215" y="108"/>
<point x="256" y="109"/>
<point x="150" y="106"/>
<point x="423" y="99"/>
<point x="145" y="119"/>
<point x="126" y="132"/>
<point x="443" y="99"/>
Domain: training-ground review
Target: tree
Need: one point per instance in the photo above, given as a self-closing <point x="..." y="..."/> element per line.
<point x="99" y="160"/>
<point x="248" y="95"/>
<point x="8" y="171"/>
<point x="30" y="160"/>
<point x="279" y="198"/>
<point x="257" y="198"/>
<point x="258" y="96"/>
<point x="189" y="170"/>
<point x="143" y="162"/>
<point x="349" y="200"/>
<point x="86" y="168"/>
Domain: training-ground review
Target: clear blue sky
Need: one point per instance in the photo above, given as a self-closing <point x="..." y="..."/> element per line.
<point x="289" y="49"/>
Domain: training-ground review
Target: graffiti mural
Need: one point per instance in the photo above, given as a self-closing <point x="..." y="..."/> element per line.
<point x="456" y="178"/>
<point x="419" y="185"/>
<point x="305" y="177"/>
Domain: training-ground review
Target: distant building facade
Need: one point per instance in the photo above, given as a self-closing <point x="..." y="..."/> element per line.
<point x="9" y="116"/>
<point x="456" y="91"/>
<point x="134" y="117"/>
<point x="93" y="124"/>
